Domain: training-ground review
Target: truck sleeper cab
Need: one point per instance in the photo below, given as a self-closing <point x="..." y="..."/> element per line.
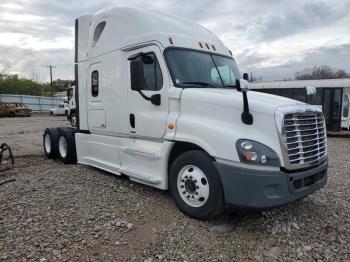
<point x="160" y="99"/>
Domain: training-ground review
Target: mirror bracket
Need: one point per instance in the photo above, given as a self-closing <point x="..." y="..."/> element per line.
<point x="154" y="99"/>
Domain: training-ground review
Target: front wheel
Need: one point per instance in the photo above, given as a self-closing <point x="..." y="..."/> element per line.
<point x="195" y="185"/>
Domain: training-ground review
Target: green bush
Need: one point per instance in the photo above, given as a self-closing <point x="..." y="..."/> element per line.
<point x="11" y="84"/>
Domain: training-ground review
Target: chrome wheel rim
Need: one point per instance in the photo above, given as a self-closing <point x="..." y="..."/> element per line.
<point x="193" y="186"/>
<point x="62" y="146"/>
<point x="47" y="143"/>
<point x="74" y="121"/>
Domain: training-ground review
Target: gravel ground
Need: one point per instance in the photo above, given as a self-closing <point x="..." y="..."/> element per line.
<point x="24" y="134"/>
<point x="77" y="213"/>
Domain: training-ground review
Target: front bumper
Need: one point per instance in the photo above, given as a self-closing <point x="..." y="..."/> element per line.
<point x="257" y="189"/>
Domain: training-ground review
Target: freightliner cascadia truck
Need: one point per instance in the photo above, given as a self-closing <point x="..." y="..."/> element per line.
<point x="160" y="99"/>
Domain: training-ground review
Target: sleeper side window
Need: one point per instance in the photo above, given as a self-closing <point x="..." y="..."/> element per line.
<point x="97" y="33"/>
<point x="94" y="83"/>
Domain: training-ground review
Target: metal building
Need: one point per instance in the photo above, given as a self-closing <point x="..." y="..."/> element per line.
<point x="333" y="95"/>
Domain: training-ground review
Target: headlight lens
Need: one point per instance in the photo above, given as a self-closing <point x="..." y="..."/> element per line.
<point x="252" y="152"/>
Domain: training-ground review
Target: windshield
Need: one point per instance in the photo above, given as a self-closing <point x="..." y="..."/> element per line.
<point x="190" y="68"/>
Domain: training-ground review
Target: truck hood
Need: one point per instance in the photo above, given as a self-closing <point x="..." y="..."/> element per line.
<point x="258" y="102"/>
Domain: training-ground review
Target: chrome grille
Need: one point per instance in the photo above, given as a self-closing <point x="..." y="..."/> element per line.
<point x="305" y="137"/>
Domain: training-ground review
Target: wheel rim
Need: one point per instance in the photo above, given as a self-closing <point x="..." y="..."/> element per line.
<point x="62" y="146"/>
<point x="74" y="121"/>
<point x="47" y="143"/>
<point x="193" y="186"/>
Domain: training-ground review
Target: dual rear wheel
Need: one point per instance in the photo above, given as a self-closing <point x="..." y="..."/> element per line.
<point x="60" y="143"/>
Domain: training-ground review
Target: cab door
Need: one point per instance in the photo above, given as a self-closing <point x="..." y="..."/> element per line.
<point x="96" y="98"/>
<point x="145" y="118"/>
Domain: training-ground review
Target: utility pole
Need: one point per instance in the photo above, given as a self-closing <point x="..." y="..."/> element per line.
<point x="51" y="66"/>
<point x="251" y="76"/>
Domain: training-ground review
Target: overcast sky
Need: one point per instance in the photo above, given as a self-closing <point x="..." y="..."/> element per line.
<point x="272" y="39"/>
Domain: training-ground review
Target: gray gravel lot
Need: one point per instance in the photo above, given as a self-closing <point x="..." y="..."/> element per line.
<point x="77" y="213"/>
<point x="24" y="134"/>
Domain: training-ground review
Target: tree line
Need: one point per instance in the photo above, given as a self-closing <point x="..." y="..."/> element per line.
<point x="12" y="84"/>
<point x="321" y="72"/>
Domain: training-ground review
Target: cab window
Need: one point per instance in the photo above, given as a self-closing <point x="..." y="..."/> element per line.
<point x="97" y="33"/>
<point x="226" y="74"/>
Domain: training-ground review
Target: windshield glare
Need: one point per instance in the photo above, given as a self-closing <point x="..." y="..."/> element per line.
<point x="190" y="68"/>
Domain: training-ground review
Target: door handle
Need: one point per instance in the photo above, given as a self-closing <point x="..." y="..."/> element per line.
<point x="132" y="120"/>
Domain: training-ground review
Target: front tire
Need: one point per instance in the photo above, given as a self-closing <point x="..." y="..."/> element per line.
<point x="195" y="185"/>
<point x="66" y="146"/>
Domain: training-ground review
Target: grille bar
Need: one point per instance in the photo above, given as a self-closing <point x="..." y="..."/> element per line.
<point x="322" y="132"/>
<point x="306" y="152"/>
<point x="305" y="137"/>
<point x="305" y="141"/>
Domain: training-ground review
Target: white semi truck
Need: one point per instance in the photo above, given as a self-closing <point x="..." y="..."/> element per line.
<point x="160" y="99"/>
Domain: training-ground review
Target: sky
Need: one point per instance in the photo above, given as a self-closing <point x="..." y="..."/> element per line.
<point x="273" y="39"/>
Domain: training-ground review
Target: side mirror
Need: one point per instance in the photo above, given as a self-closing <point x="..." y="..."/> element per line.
<point x="242" y="85"/>
<point x="148" y="60"/>
<point x="137" y="75"/>
<point x="246" y="77"/>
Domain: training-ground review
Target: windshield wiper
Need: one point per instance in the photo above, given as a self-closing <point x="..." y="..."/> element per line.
<point x="198" y="83"/>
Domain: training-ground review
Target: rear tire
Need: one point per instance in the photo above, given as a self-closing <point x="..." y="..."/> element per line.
<point x="50" y="143"/>
<point x="195" y="185"/>
<point x="51" y="114"/>
<point x="66" y="146"/>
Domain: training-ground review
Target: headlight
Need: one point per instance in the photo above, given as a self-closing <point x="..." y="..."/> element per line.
<point x="252" y="152"/>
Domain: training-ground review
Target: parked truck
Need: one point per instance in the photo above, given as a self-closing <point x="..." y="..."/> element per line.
<point x="72" y="109"/>
<point x="60" y="110"/>
<point x="160" y="99"/>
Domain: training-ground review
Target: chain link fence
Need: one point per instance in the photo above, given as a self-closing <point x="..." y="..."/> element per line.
<point x="39" y="104"/>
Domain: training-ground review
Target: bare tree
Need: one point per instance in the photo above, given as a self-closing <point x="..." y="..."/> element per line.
<point x="35" y="75"/>
<point x="321" y="72"/>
